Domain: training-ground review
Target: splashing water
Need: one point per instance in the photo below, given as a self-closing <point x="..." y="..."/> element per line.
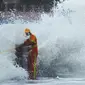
<point x="60" y="40"/>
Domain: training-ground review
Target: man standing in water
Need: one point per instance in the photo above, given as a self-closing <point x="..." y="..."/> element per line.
<point x="32" y="54"/>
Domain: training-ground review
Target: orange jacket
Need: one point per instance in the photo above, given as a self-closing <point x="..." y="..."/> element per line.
<point x="32" y="41"/>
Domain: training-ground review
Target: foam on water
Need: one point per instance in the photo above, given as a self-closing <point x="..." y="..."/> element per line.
<point x="60" y="39"/>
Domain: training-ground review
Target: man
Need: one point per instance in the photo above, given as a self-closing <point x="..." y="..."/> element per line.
<point x="32" y="54"/>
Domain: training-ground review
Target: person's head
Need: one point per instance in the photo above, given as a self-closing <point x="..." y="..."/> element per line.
<point x="27" y="32"/>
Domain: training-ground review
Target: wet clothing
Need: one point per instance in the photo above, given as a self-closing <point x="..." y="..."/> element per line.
<point x="32" y="56"/>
